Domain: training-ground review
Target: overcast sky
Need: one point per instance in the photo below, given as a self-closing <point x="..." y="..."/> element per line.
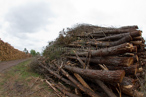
<point x="32" y="23"/>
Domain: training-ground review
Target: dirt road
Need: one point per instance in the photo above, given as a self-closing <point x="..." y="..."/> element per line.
<point x="7" y="64"/>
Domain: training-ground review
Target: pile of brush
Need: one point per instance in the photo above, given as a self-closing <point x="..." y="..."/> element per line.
<point x="8" y="52"/>
<point x="100" y="62"/>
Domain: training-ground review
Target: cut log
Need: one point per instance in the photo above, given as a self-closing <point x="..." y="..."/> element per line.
<point x="136" y="42"/>
<point x="108" y="44"/>
<point x="129" y="27"/>
<point x="128" y="70"/>
<point x="114" y="31"/>
<point x="118" y="36"/>
<point x="115" y="50"/>
<point x="138" y="38"/>
<point x="104" y="75"/>
<point x="110" y="60"/>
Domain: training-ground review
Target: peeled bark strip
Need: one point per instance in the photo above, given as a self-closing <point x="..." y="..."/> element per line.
<point x="84" y="89"/>
<point x="136" y="59"/>
<point x="104" y="75"/>
<point x="110" y="60"/>
<point x="115" y="50"/>
<point x="81" y="80"/>
<point x="118" y="36"/>
<point x="58" y="76"/>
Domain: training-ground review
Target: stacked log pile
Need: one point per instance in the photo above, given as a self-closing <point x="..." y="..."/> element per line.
<point x="8" y="52"/>
<point x="101" y="62"/>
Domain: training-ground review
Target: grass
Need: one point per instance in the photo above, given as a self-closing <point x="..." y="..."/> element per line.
<point x="21" y="81"/>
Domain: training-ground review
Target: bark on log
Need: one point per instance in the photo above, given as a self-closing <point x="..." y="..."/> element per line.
<point x="138" y="38"/>
<point x="110" y="60"/>
<point x="114" y="31"/>
<point x="136" y="42"/>
<point x="118" y="36"/>
<point x="108" y="44"/>
<point x="129" y="27"/>
<point x="104" y="75"/>
<point x="128" y="70"/>
<point x="115" y="50"/>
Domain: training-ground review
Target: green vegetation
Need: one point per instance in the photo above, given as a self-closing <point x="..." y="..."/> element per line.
<point x="34" y="53"/>
<point x="21" y="81"/>
<point x="55" y="49"/>
<point x="26" y="51"/>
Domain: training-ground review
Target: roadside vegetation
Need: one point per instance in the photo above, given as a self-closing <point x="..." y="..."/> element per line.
<point x="20" y="81"/>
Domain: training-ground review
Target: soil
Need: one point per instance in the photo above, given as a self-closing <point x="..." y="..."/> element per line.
<point x="7" y="64"/>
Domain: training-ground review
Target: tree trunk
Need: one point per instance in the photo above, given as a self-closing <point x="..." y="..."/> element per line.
<point x="114" y="31"/>
<point x="115" y="50"/>
<point x="108" y="44"/>
<point x="110" y="60"/>
<point x="128" y="70"/>
<point x="104" y="75"/>
<point x="118" y="36"/>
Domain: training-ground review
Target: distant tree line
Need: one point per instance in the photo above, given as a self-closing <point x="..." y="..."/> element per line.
<point x="32" y="52"/>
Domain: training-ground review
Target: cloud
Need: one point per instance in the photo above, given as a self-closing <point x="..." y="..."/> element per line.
<point x="30" y="17"/>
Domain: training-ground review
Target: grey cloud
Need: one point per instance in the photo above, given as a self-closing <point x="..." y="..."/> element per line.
<point x="29" y="17"/>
